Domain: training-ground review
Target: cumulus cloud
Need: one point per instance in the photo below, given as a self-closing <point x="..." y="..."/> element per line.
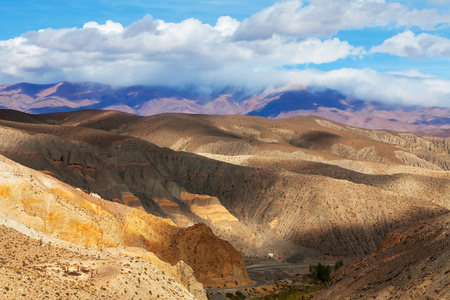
<point x="109" y="27"/>
<point x="253" y="53"/>
<point x="226" y="25"/>
<point x="146" y="25"/>
<point x="415" y="46"/>
<point x="327" y="17"/>
<point x="149" y="51"/>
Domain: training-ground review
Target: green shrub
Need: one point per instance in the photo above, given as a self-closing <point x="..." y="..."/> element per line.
<point x="320" y="272"/>
<point x="338" y="264"/>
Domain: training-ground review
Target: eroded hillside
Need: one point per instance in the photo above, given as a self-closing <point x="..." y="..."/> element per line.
<point x="283" y="186"/>
<point x="413" y="263"/>
<point x="61" y="211"/>
<point x="34" y="269"/>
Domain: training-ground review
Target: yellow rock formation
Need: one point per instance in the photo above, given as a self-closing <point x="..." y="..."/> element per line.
<point x="61" y="211"/>
<point x="207" y="207"/>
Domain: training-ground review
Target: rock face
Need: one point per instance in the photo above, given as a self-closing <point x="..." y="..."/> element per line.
<point x="412" y="263"/>
<point x="282" y="186"/>
<point x="59" y="210"/>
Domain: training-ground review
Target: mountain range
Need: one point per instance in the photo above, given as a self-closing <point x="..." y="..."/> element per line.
<point x="276" y="103"/>
<point x="185" y="197"/>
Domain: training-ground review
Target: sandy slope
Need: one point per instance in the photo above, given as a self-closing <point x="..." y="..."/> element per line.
<point x="33" y="269"/>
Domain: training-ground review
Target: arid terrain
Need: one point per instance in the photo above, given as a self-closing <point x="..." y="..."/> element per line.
<point x="33" y="269"/>
<point x="35" y="201"/>
<point x="208" y="190"/>
<point x="409" y="264"/>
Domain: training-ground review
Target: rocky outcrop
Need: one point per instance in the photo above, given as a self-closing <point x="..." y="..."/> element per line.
<point x="218" y="267"/>
<point x="59" y="210"/>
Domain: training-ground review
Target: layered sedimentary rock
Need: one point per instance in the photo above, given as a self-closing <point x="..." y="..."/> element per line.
<point x="264" y="185"/>
<point x="61" y="211"/>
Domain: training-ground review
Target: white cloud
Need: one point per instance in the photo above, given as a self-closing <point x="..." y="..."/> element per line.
<point x="251" y="53"/>
<point x="413" y="73"/>
<point x="139" y="27"/>
<point x="415" y="46"/>
<point x="327" y="17"/>
<point x="226" y="25"/>
<point x="109" y="27"/>
<point x="150" y="50"/>
<point x="408" y="89"/>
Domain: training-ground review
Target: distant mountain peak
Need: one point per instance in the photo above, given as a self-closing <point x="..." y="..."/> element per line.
<point x="150" y="100"/>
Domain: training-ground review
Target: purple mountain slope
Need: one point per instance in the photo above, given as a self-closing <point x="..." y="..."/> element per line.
<point x="143" y="100"/>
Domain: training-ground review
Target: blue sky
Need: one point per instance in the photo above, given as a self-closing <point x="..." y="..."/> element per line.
<point x="393" y="51"/>
<point x="19" y="16"/>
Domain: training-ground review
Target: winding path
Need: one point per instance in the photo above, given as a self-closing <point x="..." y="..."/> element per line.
<point x="257" y="280"/>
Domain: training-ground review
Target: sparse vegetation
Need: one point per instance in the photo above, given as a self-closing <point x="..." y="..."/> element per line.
<point x="291" y="292"/>
<point x="239" y="295"/>
<point x="338" y="264"/>
<point x="322" y="272"/>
